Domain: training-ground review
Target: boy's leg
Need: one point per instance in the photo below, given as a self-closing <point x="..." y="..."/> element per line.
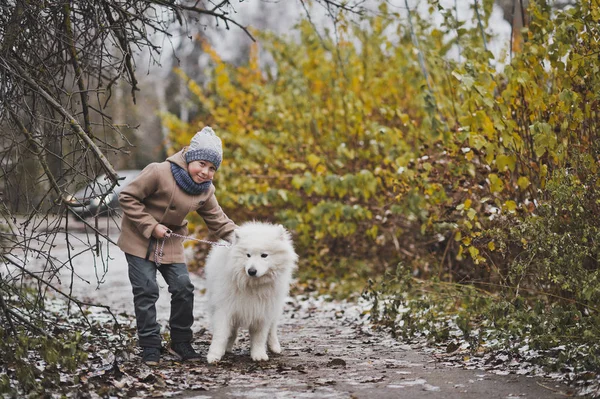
<point x="182" y="301"/>
<point x="142" y="275"/>
<point x="182" y="310"/>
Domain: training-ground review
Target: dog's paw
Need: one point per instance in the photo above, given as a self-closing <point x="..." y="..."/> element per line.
<point x="259" y="356"/>
<point x="275" y="348"/>
<point x="212" y="358"/>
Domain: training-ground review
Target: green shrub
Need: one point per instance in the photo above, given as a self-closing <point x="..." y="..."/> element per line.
<point x="556" y="250"/>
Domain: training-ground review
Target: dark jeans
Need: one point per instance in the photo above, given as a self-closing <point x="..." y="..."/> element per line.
<point x="142" y="275"/>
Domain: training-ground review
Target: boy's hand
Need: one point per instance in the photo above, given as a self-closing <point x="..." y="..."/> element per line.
<point x="161" y="231"/>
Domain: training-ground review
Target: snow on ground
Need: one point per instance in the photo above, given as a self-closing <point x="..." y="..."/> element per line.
<point x="99" y="278"/>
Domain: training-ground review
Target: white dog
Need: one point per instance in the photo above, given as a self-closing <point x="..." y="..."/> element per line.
<point x="247" y="284"/>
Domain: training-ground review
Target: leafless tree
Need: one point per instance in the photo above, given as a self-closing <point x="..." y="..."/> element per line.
<point x="61" y="63"/>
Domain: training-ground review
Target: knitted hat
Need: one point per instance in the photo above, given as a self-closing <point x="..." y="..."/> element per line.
<point x="205" y="146"/>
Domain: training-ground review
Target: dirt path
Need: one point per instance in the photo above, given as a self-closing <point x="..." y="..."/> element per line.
<point x="328" y="355"/>
<point x="329" y="352"/>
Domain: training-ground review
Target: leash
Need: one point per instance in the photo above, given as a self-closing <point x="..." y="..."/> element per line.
<point x="158" y="251"/>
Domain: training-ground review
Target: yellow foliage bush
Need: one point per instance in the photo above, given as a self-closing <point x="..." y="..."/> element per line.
<point x="344" y="143"/>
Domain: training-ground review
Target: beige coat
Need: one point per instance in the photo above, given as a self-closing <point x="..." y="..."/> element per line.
<point x="154" y="197"/>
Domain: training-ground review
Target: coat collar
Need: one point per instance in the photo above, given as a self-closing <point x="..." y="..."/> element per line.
<point x="179" y="158"/>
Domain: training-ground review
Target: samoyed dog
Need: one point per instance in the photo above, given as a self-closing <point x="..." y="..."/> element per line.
<point x="247" y="284"/>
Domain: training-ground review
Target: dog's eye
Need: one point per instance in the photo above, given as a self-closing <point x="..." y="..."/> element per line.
<point x="248" y="255"/>
<point x="263" y="255"/>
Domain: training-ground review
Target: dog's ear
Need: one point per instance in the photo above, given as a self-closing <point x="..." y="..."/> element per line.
<point x="235" y="237"/>
<point x="283" y="233"/>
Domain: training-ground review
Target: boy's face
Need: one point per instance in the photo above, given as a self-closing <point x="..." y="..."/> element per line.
<point x="201" y="171"/>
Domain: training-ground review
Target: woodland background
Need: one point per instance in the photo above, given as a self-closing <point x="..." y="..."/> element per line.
<point x="454" y="188"/>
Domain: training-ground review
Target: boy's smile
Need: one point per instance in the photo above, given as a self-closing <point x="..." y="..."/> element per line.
<point x="201" y="171"/>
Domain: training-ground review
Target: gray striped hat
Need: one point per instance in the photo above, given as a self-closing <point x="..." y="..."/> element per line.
<point x="205" y="146"/>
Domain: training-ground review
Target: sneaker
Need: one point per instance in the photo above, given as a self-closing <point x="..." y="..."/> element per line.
<point x="184" y="351"/>
<point x="150" y="356"/>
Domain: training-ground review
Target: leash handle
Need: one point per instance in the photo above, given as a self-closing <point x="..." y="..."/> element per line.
<point x="160" y="245"/>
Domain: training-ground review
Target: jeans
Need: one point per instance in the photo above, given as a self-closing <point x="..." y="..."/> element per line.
<point x="142" y="275"/>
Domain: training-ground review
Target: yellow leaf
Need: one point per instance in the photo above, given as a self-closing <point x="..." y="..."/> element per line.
<point x="506" y="162"/>
<point x="510" y="205"/>
<point x="458" y="236"/>
<point x="468" y="204"/>
<point x="543" y="175"/>
<point x="491" y="246"/>
<point x="459" y="255"/>
<point x="496" y="183"/>
<point x="477" y="141"/>
<point x="471" y="213"/>
<point x="474" y="252"/>
<point x="404" y="118"/>
<point x="372" y="232"/>
<point x="485" y="123"/>
<point x="313" y="160"/>
<point x="523" y="182"/>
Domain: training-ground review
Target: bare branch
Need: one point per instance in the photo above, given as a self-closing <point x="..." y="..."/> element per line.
<point x="20" y="73"/>
<point x="7" y="313"/>
<point x="77" y="68"/>
<point x="218" y="15"/>
<point x="39" y="152"/>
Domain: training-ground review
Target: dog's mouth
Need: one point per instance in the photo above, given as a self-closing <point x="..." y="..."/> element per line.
<point x="253" y="276"/>
<point x="248" y="278"/>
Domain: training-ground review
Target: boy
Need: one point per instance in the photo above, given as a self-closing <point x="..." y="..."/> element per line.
<point x="155" y="205"/>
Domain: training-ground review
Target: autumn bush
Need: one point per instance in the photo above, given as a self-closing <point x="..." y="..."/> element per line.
<point x="319" y="146"/>
<point x="454" y="168"/>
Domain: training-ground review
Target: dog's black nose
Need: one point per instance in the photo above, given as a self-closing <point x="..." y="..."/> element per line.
<point x="252" y="271"/>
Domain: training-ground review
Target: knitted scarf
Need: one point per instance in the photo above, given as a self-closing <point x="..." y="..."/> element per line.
<point x="184" y="180"/>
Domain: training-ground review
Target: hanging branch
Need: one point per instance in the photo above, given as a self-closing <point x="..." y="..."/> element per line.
<point x="218" y="15"/>
<point x="344" y="6"/>
<point x="83" y="95"/>
<point x="39" y="153"/>
<point x="107" y="166"/>
<point x="311" y="22"/>
<point x="117" y="29"/>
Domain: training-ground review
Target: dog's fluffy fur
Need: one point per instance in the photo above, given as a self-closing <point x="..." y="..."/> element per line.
<point x="247" y="284"/>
